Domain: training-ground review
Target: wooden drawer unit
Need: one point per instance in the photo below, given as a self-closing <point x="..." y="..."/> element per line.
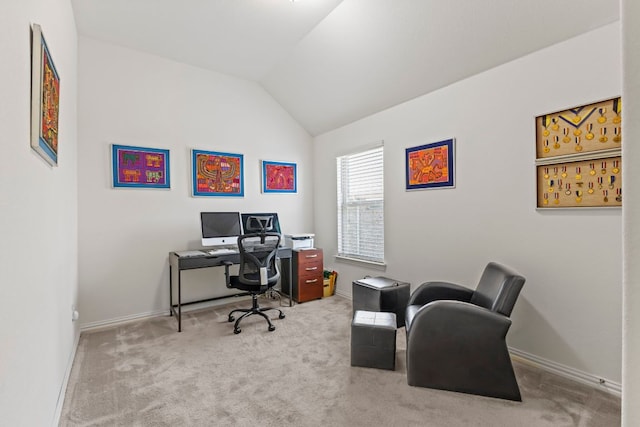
<point x="307" y="271"/>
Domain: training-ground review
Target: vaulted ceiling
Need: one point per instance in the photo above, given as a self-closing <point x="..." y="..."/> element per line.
<point x="331" y="62"/>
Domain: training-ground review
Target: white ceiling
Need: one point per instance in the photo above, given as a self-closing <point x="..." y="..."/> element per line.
<point x="331" y="62"/>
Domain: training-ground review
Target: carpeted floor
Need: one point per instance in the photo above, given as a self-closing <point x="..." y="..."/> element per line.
<point x="146" y="374"/>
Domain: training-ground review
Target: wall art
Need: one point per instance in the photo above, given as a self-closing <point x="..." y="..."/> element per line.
<point x="45" y="99"/>
<point x="217" y="174"/>
<point x="582" y="183"/>
<point x="140" y="167"/>
<point x="579" y="156"/>
<point x="430" y="166"/>
<point x="279" y="177"/>
<point x="589" y="128"/>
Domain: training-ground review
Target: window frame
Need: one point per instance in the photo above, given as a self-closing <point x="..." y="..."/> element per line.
<point x="376" y="257"/>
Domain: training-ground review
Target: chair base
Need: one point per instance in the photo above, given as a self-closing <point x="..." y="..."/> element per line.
<point x="255" y="309"/>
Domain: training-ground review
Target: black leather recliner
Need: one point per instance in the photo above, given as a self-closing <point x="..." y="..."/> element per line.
<point x="456" y="336"/>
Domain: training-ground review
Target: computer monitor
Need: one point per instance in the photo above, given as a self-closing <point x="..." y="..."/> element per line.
<point x="251" y="222"/>
<point x="220" y="228"/>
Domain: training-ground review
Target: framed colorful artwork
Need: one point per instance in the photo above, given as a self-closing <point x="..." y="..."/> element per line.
<point x="45" y="99"/>
<point x="430" y="166"/>
<point x="140" y="167"/>
<point x="279" y="177"/>
<point x="217" y="174"/>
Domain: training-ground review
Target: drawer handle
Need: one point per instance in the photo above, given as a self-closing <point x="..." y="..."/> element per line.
<point x="311" y="256"/>
<point x="311" y="281"/>
<point x="311" y="268"/>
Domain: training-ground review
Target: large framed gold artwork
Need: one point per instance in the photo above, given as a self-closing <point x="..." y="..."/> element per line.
<point x="579" y="156"/>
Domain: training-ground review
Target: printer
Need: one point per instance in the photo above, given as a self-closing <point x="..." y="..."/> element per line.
<point x="299" y="241"/>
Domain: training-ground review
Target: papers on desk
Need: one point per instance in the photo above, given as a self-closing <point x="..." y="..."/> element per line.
<point x="190" y="253"/>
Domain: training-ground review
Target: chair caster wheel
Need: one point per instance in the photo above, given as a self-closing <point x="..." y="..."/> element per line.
<point x="272" y="328"/>
<point x="237" y="331"/>
<point x="231" y="318"/>
<point x="282" y="316"/>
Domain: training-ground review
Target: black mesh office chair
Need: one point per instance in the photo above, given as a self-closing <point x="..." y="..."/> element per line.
<point x="258" y="270"/>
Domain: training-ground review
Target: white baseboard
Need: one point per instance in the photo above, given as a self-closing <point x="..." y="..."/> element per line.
<point x="342" y="294"/>
<point x="63" y="388"/>
<point x="86" y="327"/>
<point x="124" y="319"/>
<point x="568" y="372"/>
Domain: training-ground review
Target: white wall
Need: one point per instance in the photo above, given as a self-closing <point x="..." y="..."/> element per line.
<point x="630" y="12"/>
<point x="132" y="98"/>
<point x="38" y="205"/>
<point x="569" y="310"/>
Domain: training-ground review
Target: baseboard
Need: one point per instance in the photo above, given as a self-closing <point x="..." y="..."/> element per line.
<point x="124" y="319"/>
<point x="342" y="294"/>
<point x="91" y="326"/>
<point x="63" y="388"/>
<point x="567" y="372"/>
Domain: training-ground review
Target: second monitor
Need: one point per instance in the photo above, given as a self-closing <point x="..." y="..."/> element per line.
<point x="250" y="225"/>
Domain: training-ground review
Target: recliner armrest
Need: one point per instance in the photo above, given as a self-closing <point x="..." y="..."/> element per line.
<point x="449" y="318"/>
<point x="434" y="291"/>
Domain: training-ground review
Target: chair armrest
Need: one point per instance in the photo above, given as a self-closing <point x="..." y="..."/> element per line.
<point x="434" y="291"/>
<point x="456" y="321"/>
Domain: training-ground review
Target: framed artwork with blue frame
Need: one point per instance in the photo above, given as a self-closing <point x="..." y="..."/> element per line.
<point x="45" y="99"/>
<point x="140" y="167"/>
<point x="279" y="177"/>
<point x="430" y="166"/>
<point x="217" y="174"/>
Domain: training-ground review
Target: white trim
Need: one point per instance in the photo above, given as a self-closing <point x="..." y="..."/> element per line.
<point x="342" y="295"/>
<point x="65" y="382"/>
<point x="155" y="313"/>
<point x="582" y="377"/>
<point x="375" y="264"/>
<point x="124" y="319"/>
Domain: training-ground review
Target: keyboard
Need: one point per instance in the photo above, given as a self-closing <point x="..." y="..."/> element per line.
<point x="222" y="251"/>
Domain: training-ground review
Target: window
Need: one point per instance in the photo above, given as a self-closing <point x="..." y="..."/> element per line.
<point x="361" y="206"/>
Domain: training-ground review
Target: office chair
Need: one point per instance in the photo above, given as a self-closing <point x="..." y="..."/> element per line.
<point x="258" y="270"/>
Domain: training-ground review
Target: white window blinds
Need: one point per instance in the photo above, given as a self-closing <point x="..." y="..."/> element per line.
<point x="361" y="205"/>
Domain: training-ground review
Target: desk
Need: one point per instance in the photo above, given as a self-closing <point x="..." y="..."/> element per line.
<point x="178" y="263"/>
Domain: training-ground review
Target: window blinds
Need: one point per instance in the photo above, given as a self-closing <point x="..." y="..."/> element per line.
<point x="361" y="205"/>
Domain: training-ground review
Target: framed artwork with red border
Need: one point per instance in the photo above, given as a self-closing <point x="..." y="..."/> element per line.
<point x="217" y="174"/>
<point x="279" y="177"/>
<point x="430" y="166"/>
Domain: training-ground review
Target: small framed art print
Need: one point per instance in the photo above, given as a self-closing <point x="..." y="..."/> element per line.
<point x="430" y="166"/>
<point x="278" y="177"/>
<point x="140" y="167"/>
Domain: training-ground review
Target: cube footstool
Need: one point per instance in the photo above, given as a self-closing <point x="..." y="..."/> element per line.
<point x="381" y="294"/>
<point x="373" y="340"/>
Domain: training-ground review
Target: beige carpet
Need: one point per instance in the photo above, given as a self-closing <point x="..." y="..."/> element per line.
<point x="147" y="374"/>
